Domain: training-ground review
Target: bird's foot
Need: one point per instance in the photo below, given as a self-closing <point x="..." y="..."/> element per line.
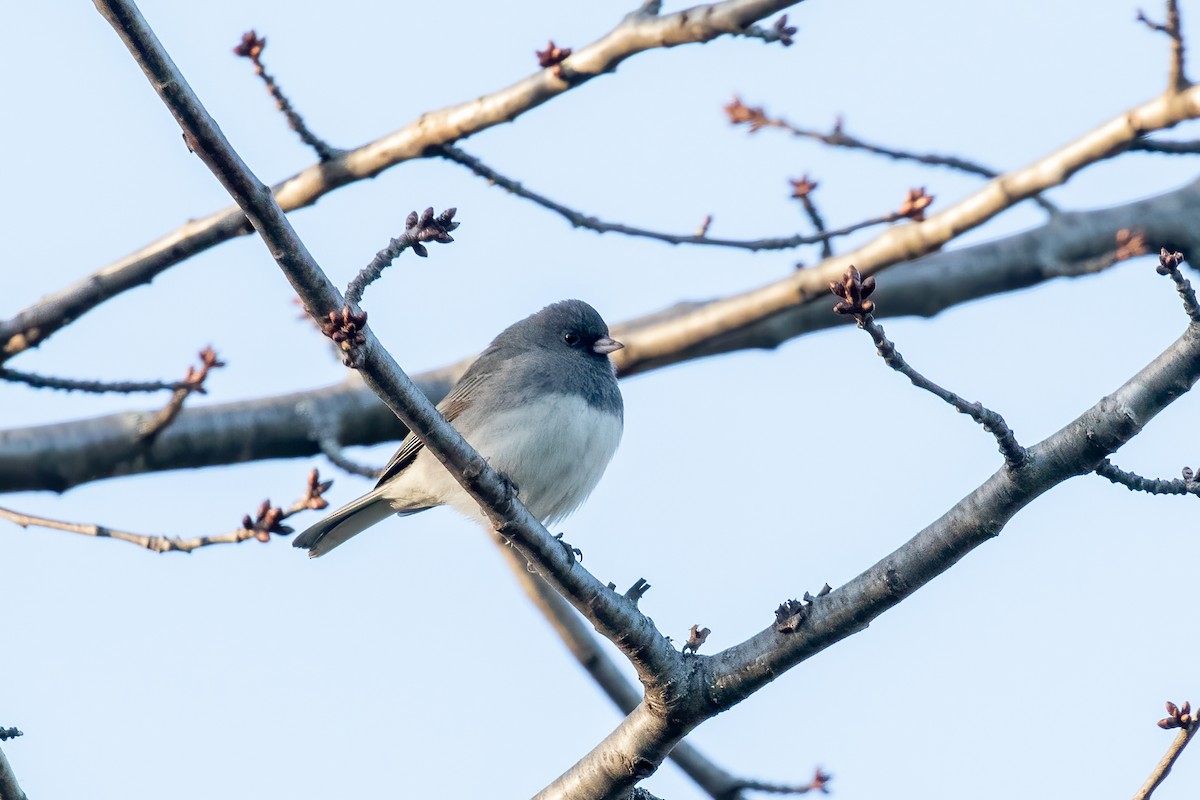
<point x="573" y="552"/>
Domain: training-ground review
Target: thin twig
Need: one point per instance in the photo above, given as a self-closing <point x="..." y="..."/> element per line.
<point x="95" y="387"/>
<point x="780" y="32"/>
<point x="756" y="118"/>
<point x="1168" y="264"/>
<point x="417" y="229"/>
<point x="266" y="522"/>
<point x="1145" y="144"/>
<point x="819" y="783"/>
<point x="251" y="47"/>
<point x="802" y="190"/>
<point x="323" y="429"/>
<point x="333" y="451"/>
<point x="581" y="220"/>
<point x="1136" y="483"/>
<point x="1187" y="723"/>
<point x="854" y="291"/>
<point x="634" y="34"/>
<point x="1177" y="79"/>
<point x="193" y="381"/>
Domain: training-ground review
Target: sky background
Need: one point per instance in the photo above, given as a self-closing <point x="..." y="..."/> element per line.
<point x="409" y="663"/>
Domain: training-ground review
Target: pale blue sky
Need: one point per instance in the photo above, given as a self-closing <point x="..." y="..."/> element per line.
<point x="408" y="663"/>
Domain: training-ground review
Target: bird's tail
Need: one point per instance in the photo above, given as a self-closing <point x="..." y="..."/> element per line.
<point x="350" y="519"/>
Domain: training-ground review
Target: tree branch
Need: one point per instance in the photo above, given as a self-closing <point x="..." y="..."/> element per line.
<point x="9" y="788"/>
<point x="614" y="616"/>
<point x="714" y="780"/>
<point x="579" y="219"/>
<point x="709" y="685"/>
<point x="1188" y="725"/>
<point x="61" y="455"/>
<point x="906" y="242"/>
<point x="639" y="31"/>
<point x="266" y="522"/>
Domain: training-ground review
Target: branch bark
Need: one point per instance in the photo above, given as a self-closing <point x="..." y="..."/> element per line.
<point x="639" y="31"/>
<point x="9" y="788"/>
<point x="708" y="685"/>
<point x="62" y="455"/>
<point x="615" y="616"/>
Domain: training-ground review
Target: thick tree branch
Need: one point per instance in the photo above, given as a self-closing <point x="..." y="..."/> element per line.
<point x="710" y="685"/>
<point x="639" y="31"/>
<point x="9" y="788"/>
<point x="61" y="455"/>
<point x="613" y="615"/>
<point x="576" y="634"/>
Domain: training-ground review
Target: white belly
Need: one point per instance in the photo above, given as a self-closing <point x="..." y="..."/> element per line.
<point x="554" y="450"/>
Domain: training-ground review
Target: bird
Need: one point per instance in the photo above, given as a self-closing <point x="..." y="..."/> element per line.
<point x="540" y="403"/>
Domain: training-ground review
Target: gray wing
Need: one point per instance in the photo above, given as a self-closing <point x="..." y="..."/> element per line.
<point x="451" y="407"/>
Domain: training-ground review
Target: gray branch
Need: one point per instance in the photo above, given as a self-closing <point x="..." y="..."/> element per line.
<point x="707" y="685"/>
<point x="61" y="455"/>
<point x="9" y="788"/>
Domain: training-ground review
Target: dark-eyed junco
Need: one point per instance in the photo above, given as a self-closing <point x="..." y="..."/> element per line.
<point x="541" y="404"/>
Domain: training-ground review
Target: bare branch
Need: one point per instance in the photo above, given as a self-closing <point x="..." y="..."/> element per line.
<point x="906" y="242"/>
<point x="819" y="783"/>
<point x="576" y="634"/>
<point x="1168" y="264"/>
<point x="322" y="426"/>
<point x="60" y="455"/>
<point x="854" y="291"/>
<point x="756" y="118"/>
<point x="614" y="616"/>
<point x="193" y="381"/>
<point x="9" y="788"/>
<point x="1136" y="483"/>
<point x="265" y="522"/>
<point x="701" y="237"/>
<point x="251" y="47"/>
<point x="1171" y="148"/>
<point x="639" y="31"/>
<point x="802" y="190"/>
<point x="642" y="740"/>
<point x="1177" y="79"/>
<point x="1183" y="719"/>
<point x="94" y="387"/>
<point x="417" y="229"/>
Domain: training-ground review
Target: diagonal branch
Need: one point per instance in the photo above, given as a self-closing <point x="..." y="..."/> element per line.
<point x="9" y="788"/>
<point x="615" y="616"/>
<point x="714" y="684"/>
<point x="854" y="291"/>
<point x="716" y="781"/>
<point x="639" y="31"/>
<point x="1186" y="721"/>
<point x="906" y="242"/>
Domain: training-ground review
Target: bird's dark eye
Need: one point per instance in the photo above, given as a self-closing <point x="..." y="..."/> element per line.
<point x="571" y="338"/>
